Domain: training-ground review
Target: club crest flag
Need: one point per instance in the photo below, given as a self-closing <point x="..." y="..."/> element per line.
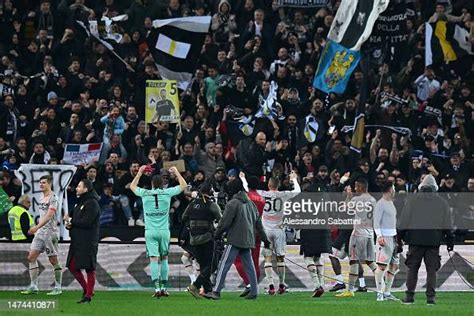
<point x="335" y="68"/>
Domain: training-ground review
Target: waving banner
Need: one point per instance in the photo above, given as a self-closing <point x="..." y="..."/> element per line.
<point x="30" y="174"/>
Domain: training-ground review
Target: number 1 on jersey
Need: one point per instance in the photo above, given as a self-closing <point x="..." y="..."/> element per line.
<point x="156" y="201"/>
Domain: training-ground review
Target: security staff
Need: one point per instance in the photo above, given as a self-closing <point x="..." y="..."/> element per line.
<point x="20" y="220"/>
<point x="200" y="216"/>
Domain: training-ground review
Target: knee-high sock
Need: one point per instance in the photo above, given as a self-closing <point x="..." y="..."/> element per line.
<point x="90" y="283"/>
<point x="361" y="276"/>
<point x="379" y="280"/>
<point x="320" y="272"/>
<point x="34" y="271"/>
<point x="353" y="275"/>
<point x="188" y="267"/>
<point x="155" y="273"/>
<point x="281" y="272"/>
<point x="269" y="272"/>
<point x="389" y="277"/>
<point x="164" y="273"/>
<point x="58" y="275"/>
<point x="312" y="271"/>
<point x="78" y="275"/>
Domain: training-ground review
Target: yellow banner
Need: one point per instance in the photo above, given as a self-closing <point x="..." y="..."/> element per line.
<point x="162" y="101"/>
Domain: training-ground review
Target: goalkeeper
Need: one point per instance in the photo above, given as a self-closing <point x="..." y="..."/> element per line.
<point x="156" y="208"/>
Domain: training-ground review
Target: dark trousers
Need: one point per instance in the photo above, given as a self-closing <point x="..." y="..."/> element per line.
<point x="203" y="254"/>
<point x="230" y="253"/>
<point x="430" y="255"/>
<point x="87" y="286"/>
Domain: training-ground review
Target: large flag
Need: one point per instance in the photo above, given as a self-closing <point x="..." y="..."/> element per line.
<point x="176" y="46"/>
<point x="92" y="29"/>
<point x="446" y="41"/>
<point x="335" y="68"/>
<point x="354" y="21"/>
<point x="351" y="27"/>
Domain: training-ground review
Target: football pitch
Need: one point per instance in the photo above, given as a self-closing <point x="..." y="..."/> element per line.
<point x="140" y="303"/>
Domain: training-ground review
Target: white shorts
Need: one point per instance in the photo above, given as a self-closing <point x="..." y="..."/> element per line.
<point x="361" y="248"/>
<point x="338" y="253"/>
<point x="388" y="253"/>
<point x="45" y="243"/>
<point x="277" y="238"/>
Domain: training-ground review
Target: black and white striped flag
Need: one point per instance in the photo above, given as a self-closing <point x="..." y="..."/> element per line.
<point x="176" y="46"/>
<point x="446" y="41"/>
<point x="354" y="21"/>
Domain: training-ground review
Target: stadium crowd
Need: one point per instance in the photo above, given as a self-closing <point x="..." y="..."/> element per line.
<point x="60" y="87"/>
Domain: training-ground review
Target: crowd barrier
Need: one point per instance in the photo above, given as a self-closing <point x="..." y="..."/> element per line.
<point x="125" y="267"/>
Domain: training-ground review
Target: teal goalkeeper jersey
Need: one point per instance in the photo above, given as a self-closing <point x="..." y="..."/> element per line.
<point x="156" y="206"/>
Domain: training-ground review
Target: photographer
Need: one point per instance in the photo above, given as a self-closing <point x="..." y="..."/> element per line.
<point x="199" y="218"/>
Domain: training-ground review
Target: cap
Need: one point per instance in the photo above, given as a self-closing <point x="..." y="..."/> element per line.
<point x="233" y="173"/>
<point x="455" y="154"/>
<point x="323" y="168"/>
<point x="52" y="95"/>
<point x="220" y="169"/>
<point x="448" y="176"/>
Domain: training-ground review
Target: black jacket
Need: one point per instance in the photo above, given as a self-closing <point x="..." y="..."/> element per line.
<point x="240" y="220"/>
<point x="199" y="218"/>
<point x="84" y="231"/>
<point x="426" y="220"/>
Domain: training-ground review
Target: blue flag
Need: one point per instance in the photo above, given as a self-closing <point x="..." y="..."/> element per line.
<point x="335" y="68"/>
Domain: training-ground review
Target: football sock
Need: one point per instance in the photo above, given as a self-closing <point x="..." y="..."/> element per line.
<point x="340" y="279"/>
<point x="389" y="277"/>
<point x="320" y="272"/>
<point x="312" y="271"/>
<point x="269" y="273"/>
<point x="164" y="273"/>
<point x="379" y="280"/>
<point x="34" y="271"/>
<point x="281" y="272"/>
<point x="155" y="273"/>
<point x="362" y="282"/>
<point x="353" y="275"/>
<point x="58" y="275"/>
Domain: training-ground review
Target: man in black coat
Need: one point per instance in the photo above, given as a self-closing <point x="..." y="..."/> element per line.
<point x="83" y="223"/>
<point x="314" y="242"/>
<point x="425" y="221"/>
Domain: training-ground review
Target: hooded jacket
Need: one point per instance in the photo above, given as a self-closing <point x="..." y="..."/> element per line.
<point x="240" y="220"/>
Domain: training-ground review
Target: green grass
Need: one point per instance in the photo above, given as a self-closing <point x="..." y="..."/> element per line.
<point x="292" y="304"/>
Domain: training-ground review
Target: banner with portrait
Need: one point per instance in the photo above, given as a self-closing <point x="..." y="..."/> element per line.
<point x="162" y="101"/>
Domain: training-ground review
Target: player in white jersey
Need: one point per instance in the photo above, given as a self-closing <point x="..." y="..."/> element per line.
<point x="385" y="226"/>
<point x="361" y="243"/>
<point x="272" y="220"/>
<point x="46" y="238"/>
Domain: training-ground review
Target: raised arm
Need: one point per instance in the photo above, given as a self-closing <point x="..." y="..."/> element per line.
<point x="182" y="182"/>
<point x="294" y="179"/>
<point x="134" y="184"/>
